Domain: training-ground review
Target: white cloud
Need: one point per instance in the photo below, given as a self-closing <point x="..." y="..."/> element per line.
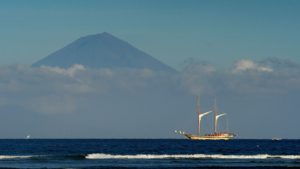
<point x="53" y="90"/>
<point x="249" y="65"/>
<point x="71" y="71"/>
<point x="245" y="77"/>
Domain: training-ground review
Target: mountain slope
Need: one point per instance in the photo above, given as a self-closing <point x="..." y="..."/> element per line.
<point x="102" y="51"/>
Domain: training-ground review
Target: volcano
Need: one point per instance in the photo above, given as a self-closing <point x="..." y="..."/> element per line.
<point x="102" y="51"/>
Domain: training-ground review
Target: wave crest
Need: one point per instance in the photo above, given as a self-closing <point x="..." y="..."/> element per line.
<point x="3" y="157"/>
<point x="187" y="156"/>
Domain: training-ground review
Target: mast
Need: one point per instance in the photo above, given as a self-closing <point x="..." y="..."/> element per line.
<point x="198" y="112"/>
<point x="217" y="117"/>
<point x="215" y="109"/>
<point x="200" y="115"/>
<point x="227" y="129"/>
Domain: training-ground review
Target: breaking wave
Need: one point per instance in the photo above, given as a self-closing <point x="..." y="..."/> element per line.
<point x="151" y="156"/>
<point x="188" y="156"/>
<point x="43" y="157"/>
<point x="3" y="157"/>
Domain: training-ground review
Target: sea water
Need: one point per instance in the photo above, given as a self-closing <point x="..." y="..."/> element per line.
<point x="147" y="153"/>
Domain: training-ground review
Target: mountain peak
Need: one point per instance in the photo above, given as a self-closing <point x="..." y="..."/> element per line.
<point x="100" y="35"/>
<point x="105" y="34"/>
<point x="102" y="51"/>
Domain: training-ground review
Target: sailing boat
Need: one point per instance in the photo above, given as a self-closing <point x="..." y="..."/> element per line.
<point x="216" y="135"/>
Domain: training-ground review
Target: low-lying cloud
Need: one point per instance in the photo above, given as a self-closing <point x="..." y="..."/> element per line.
<point x="59" y="88"/>
<point x="145" y="103"/>
<point x="245" y="77"/>
<point x="249" y="65"/>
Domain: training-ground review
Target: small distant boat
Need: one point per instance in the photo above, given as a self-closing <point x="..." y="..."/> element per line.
<point x="27" y="137"/>
<point x="276" y="139"/>
<point x="213" y="136"/>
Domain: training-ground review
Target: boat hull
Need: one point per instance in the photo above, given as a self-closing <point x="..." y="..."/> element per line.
<point x="224" y="136"/>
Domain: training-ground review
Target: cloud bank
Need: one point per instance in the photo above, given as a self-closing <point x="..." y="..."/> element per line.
<point x="142" y="103"/>
<point x="244" y="77"/>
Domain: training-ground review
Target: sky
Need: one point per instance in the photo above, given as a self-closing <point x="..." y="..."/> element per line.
<point x="244" y="53"/>
<point x="219" y="32"/>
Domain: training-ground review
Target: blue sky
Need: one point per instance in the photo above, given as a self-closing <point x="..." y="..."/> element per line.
<point x="220" y="32"/>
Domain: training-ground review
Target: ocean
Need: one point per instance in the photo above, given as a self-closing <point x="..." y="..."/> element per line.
<point x="148" y="153"/>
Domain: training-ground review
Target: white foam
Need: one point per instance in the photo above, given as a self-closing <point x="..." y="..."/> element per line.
<point x="3" y="157"/>
<point x="188" y="156"/>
